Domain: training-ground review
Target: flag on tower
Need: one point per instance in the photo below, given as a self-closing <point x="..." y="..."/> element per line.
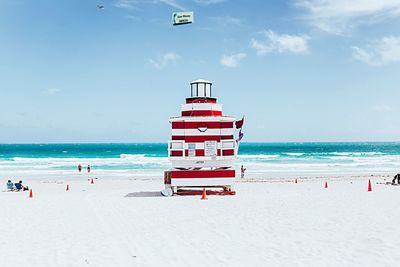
<point x="240" y="136"/>
<point x="239" y="124"/>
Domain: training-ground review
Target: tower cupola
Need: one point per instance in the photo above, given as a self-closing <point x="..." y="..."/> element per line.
<point x="200" y="88"/>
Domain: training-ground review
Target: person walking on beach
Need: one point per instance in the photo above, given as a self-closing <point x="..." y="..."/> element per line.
<point x="242" y="170"/>
<point x="397" y="176"/>
<point x="79" y="167"/>
<point x="88" y="168"/>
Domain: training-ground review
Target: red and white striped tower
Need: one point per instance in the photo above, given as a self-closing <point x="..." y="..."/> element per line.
<point x="202" y="149"/>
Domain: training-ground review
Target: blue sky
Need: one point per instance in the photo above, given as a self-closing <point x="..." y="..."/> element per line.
<point x="299" y="70"/>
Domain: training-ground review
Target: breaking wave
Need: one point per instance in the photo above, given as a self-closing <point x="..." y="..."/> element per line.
<point x="318" y="158"/>
<point x="125" y="161"/>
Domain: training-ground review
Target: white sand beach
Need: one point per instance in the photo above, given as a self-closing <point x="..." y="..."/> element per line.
<point x="125" y="222"/>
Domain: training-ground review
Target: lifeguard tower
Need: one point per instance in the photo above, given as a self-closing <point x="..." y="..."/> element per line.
<point x="202" y="149"/>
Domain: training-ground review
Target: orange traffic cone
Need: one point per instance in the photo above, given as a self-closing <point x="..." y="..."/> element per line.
<point x="295" y="181"/>
<point x="92" y="182"/>
<point x="369" y="186"/>
<point x="67" y="188"/>
<point x="204" y="194"/>
<point x="30" y="194"/>
<point x="326" y="184"/>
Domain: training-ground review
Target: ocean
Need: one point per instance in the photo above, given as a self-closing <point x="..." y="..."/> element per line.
<point x="264" y="159"/>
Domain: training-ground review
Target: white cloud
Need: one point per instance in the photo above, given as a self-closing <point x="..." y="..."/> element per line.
<point x="164" y="60"/>
<point x="225" y="21"/>
<point x="52" y="91"/>
<point x="173" y="4"/>
<point x="296" y="44"/>
<point x="232" y="61"/>
<point x="382" y="108"/>
<point x="131" y="4"/>
<point x="127" y="3"/>
<point x="341" y="16"/>
<point x="380" y="52"/>
<point x="209" y="2"/>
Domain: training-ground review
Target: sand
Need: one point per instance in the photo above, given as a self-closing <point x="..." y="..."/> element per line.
<point x="125" y="222"/>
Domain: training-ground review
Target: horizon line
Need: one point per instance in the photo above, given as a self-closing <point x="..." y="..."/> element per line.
<point x="251" y="142"/>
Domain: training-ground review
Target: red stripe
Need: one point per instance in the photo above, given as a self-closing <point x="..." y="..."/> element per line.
<point x="228" y="152"/>
<point x="199" y="138"/>
<point x="203" y="174"/>
<point x="196" y="113"/>
<point x="200" y="153"/>
<point x="196" y="125"/>
<point x="176" y="153"/>
<point x="201" y="100"/>
<point x="226" y="124"/>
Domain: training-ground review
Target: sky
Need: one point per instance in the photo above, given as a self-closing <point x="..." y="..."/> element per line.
<point x="298" y="70"/>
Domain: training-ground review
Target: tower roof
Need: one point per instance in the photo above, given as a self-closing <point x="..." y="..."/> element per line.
<point x="200" y="81"/>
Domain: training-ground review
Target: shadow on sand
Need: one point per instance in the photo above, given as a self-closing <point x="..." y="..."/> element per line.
<point x="145" y="194"/>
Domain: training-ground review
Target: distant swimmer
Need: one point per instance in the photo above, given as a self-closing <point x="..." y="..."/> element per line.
<point x="397" y="176"/>
<point x="79" y="168"/>
<point x="88" y="168"/>
<point x="100" y="6"/>
<point x="242" y="170"/>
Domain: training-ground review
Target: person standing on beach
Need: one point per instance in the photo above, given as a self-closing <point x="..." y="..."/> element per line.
<point x="79" y="167"/>
<point x="397" y="176"/>
<point x="242" y="170"/>
<point x="88" y="168"/>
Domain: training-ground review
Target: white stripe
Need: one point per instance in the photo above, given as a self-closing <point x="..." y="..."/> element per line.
<point x="202" y="162"/>
<point x="196" y="132"/>
<point x="202" y="181"/>
<point x="201" y="106"/>
<point x="201" y="145"/>
<point x="203" y="119"/>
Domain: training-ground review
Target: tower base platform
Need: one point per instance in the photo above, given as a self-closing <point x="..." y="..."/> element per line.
<point x="187" y="192"/>
<point x="192" y="182"/>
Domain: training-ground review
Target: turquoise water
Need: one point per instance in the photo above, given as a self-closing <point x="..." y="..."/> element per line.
<point x="269" y="157"/>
